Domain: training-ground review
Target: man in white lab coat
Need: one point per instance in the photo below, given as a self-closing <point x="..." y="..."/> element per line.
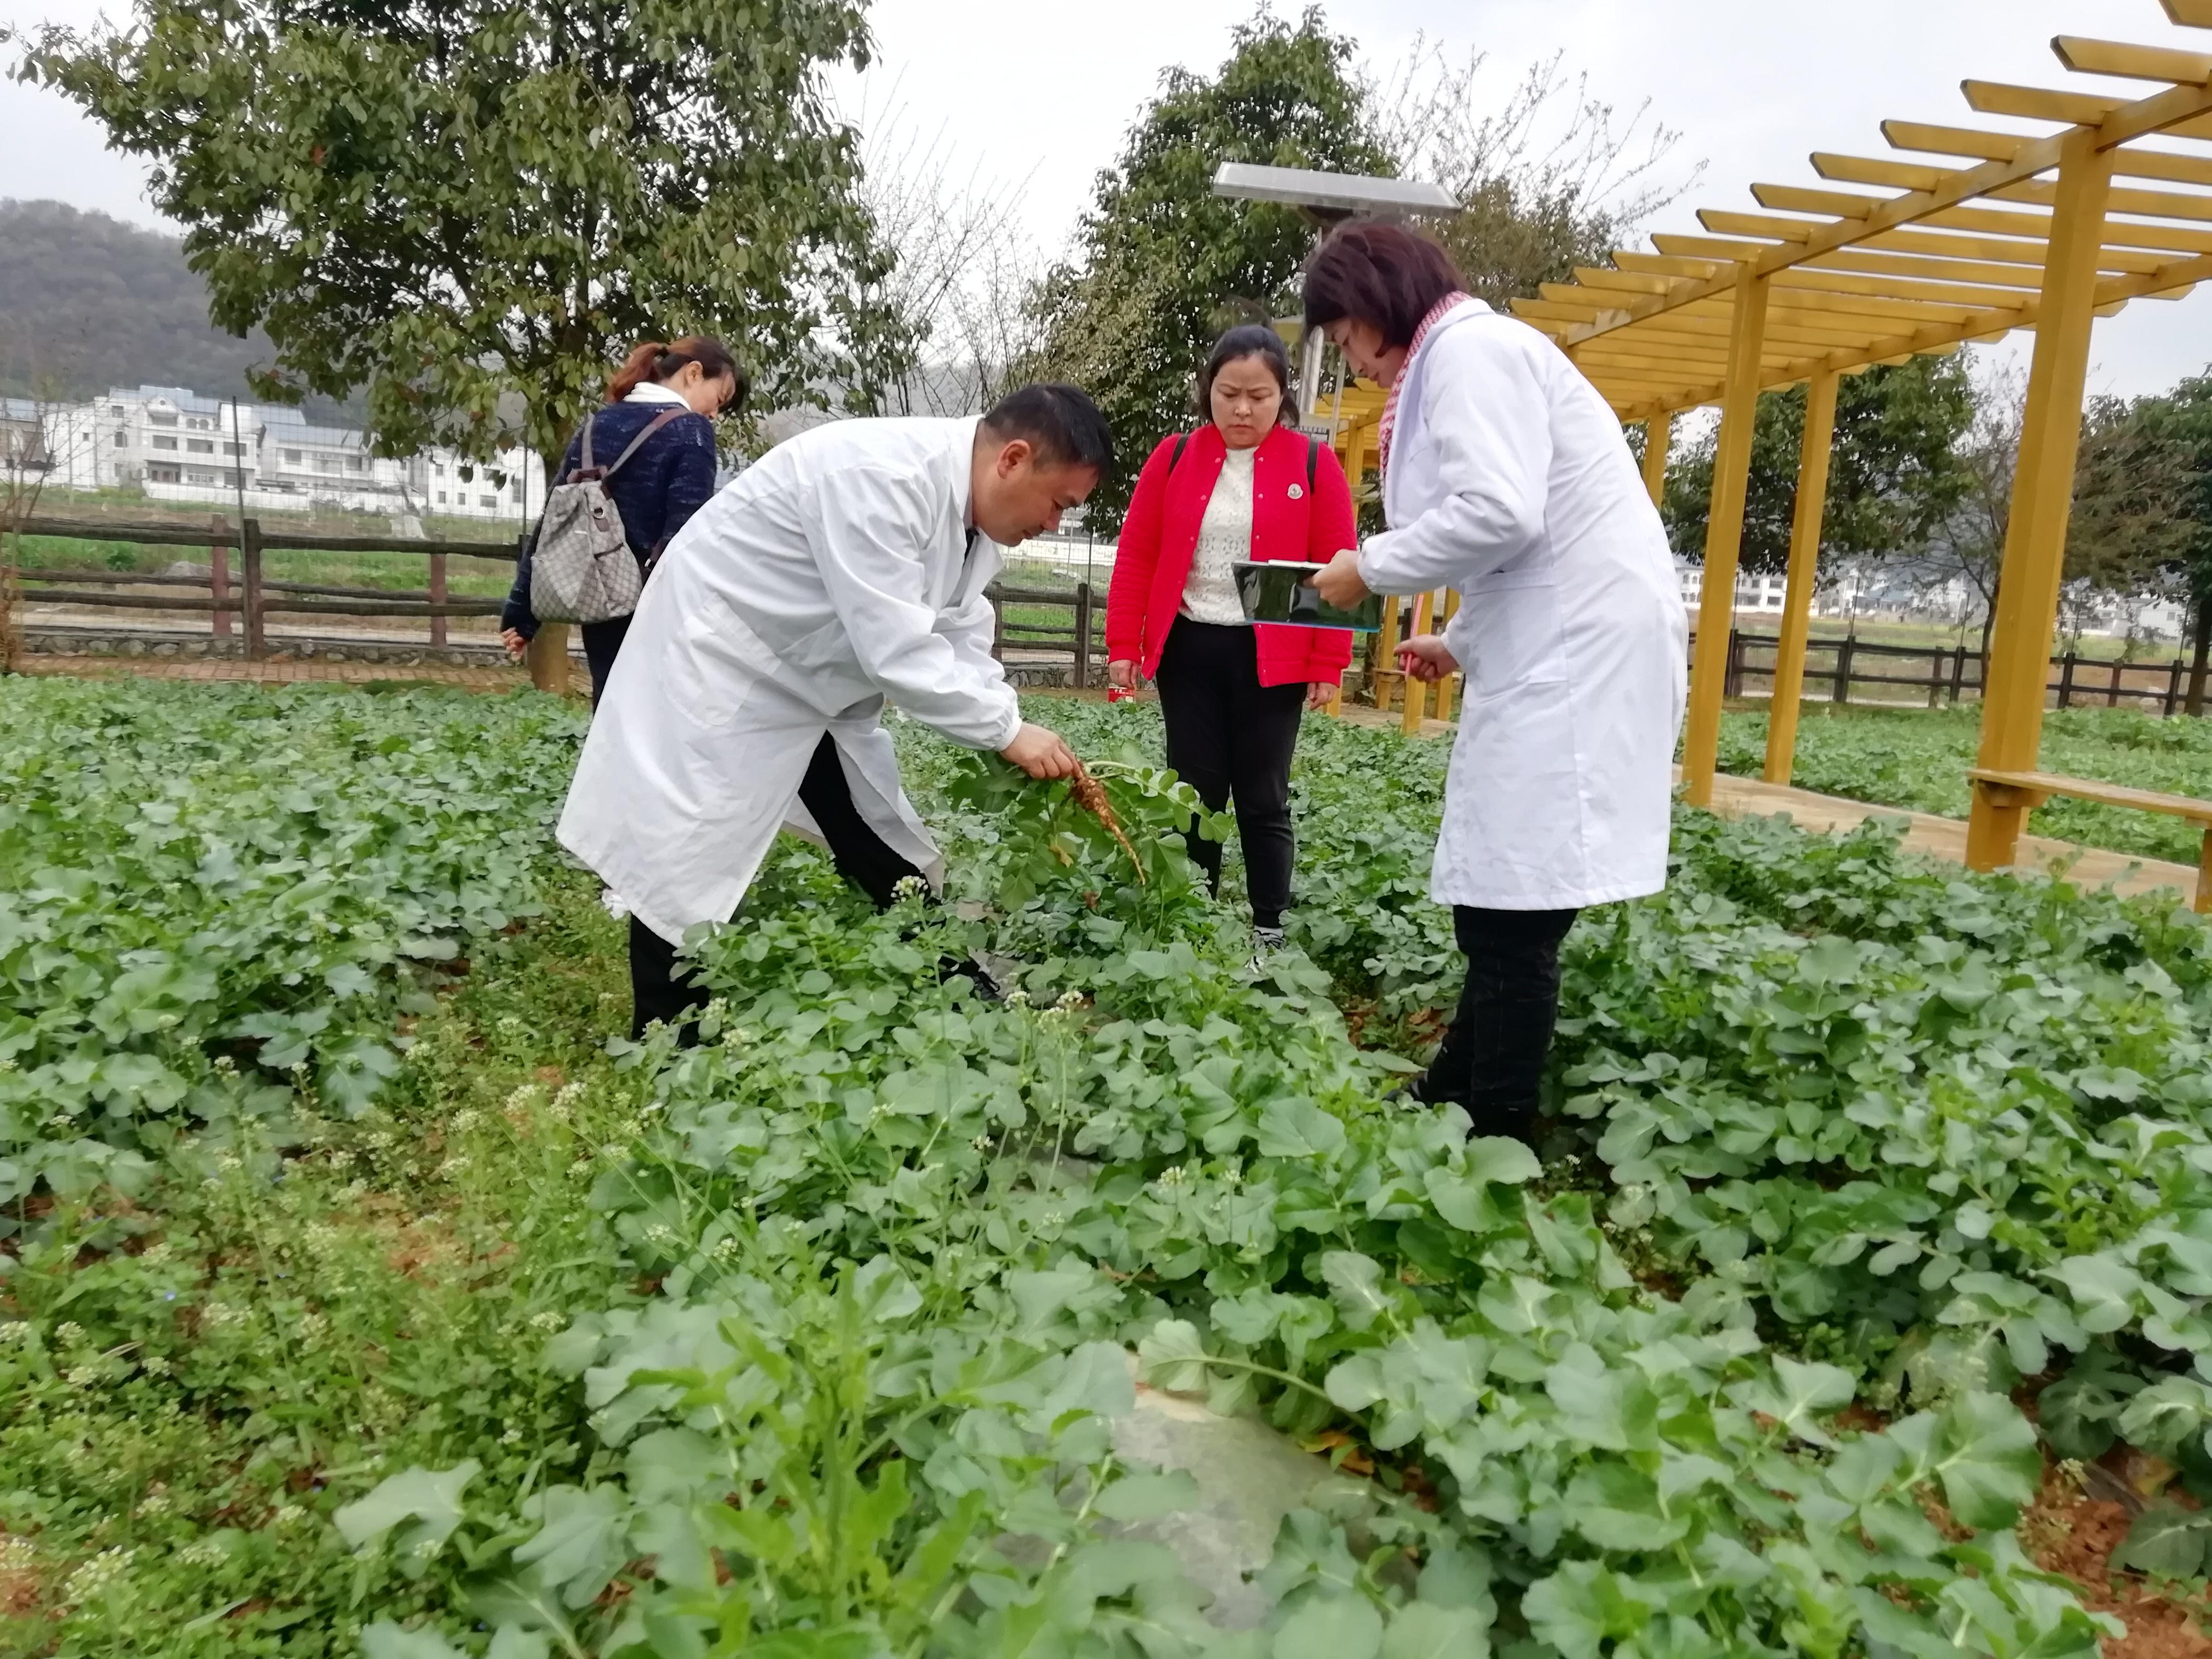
<point x="846" y="568"/>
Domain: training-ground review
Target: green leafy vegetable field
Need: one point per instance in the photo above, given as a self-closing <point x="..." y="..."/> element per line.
<point x="1876" y="1201"/>
<point x="1918" y="759"/>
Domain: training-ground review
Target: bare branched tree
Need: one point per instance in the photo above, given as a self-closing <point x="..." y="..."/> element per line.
<point x="1969" y="546"/>
<point x="1550" y="178"/>
<point x="39" y="437"/>
<point x="962" y="266"/>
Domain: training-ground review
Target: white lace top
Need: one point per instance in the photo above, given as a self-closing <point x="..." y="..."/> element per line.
<point x="1224" y="535"/>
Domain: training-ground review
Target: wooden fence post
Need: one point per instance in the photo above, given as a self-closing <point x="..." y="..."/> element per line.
<point x="1732" y="677"/>
<point x="1958" y="672"/>
<point x="2112" y="694"/>
<point x="219" y="577"/>
<point x="249" y="559"/>
<point x="997" y="627"/>
<point x="1082" y="636"/>
<point x="547" y="657"/>
<point x="437" y="597"/>
<point x="1844" y="648"/>
<point x="2066" y="681"/>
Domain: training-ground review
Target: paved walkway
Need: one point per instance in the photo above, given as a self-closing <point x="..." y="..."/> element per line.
<point x="1946" y="838"/>
<point x="278" y="673"/>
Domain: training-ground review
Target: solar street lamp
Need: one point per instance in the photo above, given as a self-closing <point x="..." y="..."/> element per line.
<point x="1325" y="199"/>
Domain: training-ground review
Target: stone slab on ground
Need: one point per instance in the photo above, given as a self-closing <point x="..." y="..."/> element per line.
<point x="1249" y="1477"/>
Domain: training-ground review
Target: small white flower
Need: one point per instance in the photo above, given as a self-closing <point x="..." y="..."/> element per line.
<point x="614" y="1149"/>
<point x="157" y="1254"/>
<point x="82" y="1376"/>
<point x="981" y="1143"/>
<point x="569" y="1095"/>
<point x="225" y="1066"/>
<point x="156" y="1502"/>
<point x="14" y="1330"/>
<point x="465" y="1120"/>
<point x="909" y="887"/>
<point x="452" y="1167"/>
<point x="68" y="1333"/>
<point x="96" y="1576"/>
<point x="156" y="1366"/>
<point x="205" y="1553"/>
<point x="289" y="1514"/>
<point x="548" y="1321"/>
<point x="1018" y="998"/>
<point x="582" y="1166"/>
<point x="1069" y="1001"/>
<point x="512" y="1437"/>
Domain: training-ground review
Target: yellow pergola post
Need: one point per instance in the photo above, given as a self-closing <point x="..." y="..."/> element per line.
<point x="1812" y="455"/>
<point x="1657" y="430"/>
<point x="2035" y="539"/>
<point x="1444" y="685"/>
<point x="1701" y="740"/>
<point x="1415" y="693"/>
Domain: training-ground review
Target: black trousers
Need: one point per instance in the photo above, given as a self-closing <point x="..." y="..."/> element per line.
<point x="1230" y="736"/>
<point x="1492" y="1061"/>
<point x="603" y="642"/>
<point x="659" y="990"/>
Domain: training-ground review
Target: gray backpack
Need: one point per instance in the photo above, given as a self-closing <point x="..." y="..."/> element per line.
<point x="582" y="569"/>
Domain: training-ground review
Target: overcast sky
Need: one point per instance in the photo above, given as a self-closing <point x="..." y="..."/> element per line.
<point x="1039" y="94"/>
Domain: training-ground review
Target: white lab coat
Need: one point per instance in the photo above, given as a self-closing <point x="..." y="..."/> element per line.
<point x="1511" y="482"/>
<point x="834" y="573"/>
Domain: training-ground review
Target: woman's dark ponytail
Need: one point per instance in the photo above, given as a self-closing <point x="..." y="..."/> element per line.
<point x="657" y="361"/>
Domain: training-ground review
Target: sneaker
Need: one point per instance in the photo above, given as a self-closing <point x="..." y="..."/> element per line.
<point x="1265" y="939"/>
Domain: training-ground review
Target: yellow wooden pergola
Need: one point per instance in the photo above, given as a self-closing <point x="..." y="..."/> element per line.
<point x="2001" y="232"/>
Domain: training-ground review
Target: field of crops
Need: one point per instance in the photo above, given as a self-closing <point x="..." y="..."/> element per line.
<point x="365" y="1295"/>
<point x="1918" y="759"/>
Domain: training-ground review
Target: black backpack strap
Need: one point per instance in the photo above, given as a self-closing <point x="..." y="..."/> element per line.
<point x="1313" y="460"/>
<point x="1174" y="460"/>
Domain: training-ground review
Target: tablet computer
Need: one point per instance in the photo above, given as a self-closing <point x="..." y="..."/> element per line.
<point x="1275" y="591"/>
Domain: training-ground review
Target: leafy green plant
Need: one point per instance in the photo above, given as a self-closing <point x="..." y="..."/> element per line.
<point x="214" y="898"/>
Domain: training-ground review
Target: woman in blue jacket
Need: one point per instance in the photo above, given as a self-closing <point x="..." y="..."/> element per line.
<point x="659" y="488"/>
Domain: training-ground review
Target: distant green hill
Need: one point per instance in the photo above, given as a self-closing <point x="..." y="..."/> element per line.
<point x="88" y="302"/>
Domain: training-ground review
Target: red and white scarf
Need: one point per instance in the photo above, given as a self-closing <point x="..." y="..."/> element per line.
<point x="1389" y="423"/>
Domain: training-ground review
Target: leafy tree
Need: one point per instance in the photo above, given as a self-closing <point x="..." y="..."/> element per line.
<point x="1894" y="477"/>
<point x="467" y="207"/>
<point x="1162" y="265"/>
<point x="2181" y="422"/>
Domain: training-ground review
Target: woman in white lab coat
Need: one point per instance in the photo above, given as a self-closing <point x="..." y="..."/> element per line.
<point x="1506" y="476"/>
<point x="845" y="569"/>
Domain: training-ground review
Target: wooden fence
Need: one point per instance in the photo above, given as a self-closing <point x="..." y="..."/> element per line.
<point x="247" y="596"/>
<point x="1075" y="627"/>
<point x="1938" y="674"/>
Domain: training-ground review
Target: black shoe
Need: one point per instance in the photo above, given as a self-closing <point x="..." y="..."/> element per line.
<point x="988" y="988"/>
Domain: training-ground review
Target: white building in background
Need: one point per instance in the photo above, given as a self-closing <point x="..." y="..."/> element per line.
<point x="178" y="446"/>
<point x="1760" y="595"/>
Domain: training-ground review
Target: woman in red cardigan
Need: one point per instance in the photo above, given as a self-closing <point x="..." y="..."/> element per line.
<point x="1245" y="486"/>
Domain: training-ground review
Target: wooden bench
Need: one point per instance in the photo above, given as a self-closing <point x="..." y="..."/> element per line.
<point x="2031" y="789"/>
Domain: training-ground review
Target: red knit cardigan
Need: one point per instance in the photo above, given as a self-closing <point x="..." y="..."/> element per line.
<point x="1290" y="520"/>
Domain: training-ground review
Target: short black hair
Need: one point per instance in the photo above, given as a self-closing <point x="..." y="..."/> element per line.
<point x="1060" y="421"/>
<point x="1380" y="274"/>
<point x="1247" y="340"/>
